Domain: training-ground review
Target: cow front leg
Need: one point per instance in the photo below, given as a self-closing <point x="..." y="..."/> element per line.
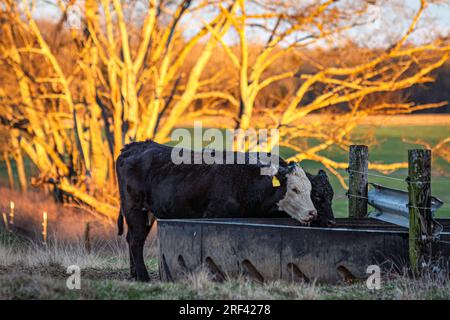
<point x="132" y="267"/>
<point x="137" y="256"/>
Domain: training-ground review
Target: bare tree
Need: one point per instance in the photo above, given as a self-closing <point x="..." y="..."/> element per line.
<point x="353" y="88"/>
<point x="71" y="98"/>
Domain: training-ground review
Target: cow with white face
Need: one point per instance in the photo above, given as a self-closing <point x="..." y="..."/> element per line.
<point x="297" y="199"/>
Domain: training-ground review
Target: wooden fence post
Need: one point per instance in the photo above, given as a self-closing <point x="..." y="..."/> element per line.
<point x="358" y="181"/>
<point x="420" y="217"/>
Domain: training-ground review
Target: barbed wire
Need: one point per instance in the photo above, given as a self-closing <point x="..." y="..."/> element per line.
<point x="357" y="196"/>
<point x="375" y="175"/>
<point x="435" y="240"/>
<point x="394" y="178"/>
<point x="435" y="237"/>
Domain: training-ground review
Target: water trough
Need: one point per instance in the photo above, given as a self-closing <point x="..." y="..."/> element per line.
<point x="270" y="249"/>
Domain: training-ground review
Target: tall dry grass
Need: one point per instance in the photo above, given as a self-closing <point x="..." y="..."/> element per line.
<point x="65" y="222"/>
<point x="21" y="253"/>
<point x="22" y="246"/>
<point x="30" y="270"/>
<point x="431" y="285"/>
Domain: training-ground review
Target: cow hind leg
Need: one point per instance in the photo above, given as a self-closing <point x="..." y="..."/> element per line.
<point x="138" y="231"/>
<point x="137" y="253"/>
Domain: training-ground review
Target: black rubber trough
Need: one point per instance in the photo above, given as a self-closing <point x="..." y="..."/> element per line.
<point x="271" y="249"/>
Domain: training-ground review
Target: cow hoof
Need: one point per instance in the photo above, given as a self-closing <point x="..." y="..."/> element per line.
<point x="143" y="279"/>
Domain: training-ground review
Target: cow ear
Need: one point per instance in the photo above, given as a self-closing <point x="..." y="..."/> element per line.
<point x="292" y="165"/>
<point x="322" y="173"/>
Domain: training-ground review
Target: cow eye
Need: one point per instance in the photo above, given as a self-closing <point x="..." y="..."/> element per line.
<point x="295" y="190"/>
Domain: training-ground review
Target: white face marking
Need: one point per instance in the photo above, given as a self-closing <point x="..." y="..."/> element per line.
<point x="297" y="200"/>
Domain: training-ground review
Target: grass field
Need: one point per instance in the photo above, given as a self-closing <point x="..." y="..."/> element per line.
<point x="30" y="270"/>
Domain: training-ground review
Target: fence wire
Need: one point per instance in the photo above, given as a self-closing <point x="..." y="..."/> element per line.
<point x="435" y="237"/>
<point x="396" y="179"/>
<point x="348" y="170"/>
<point x="375" y="175"/>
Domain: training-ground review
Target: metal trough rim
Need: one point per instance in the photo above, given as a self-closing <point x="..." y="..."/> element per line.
<point x="218" y="221"/>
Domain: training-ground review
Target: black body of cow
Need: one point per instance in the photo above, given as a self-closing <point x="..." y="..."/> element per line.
<point x="151" y="184"/>
<point x="322" y="197"/>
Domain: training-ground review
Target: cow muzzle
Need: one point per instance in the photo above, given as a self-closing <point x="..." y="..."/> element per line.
<point x="312" y="215"/>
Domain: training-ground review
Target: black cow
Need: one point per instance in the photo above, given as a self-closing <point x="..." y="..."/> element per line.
<point x="150" y="184"/>
<point x="322" y="197"/>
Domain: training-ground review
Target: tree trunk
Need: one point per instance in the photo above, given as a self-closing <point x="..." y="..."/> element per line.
<point x="17" y="154"/>
<point x="9" y="169"/>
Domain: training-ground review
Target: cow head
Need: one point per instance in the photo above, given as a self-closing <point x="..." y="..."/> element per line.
<point x="322" y="197"/>
<point x="296" y="201"/>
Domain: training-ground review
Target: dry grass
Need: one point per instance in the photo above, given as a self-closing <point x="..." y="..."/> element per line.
<point x="430" y="286"/>
<point x="16" y="251"/>
<point x="63" y="255"/>
<point x="66" y="223"/>
<point x="241" y="288"/>
<point x="31" y="270"/>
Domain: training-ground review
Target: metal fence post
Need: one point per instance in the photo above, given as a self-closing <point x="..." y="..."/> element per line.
<point x="358" y="181"/>
<point x="420" y="217"/>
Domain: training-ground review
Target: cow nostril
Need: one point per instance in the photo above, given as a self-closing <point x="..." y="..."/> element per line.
<point x="313" y="213"/>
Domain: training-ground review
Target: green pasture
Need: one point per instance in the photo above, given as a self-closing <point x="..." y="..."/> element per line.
<point x="388" y="145"/>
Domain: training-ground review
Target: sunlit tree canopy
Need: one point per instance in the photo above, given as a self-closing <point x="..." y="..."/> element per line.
<point x="98" y="74"/>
